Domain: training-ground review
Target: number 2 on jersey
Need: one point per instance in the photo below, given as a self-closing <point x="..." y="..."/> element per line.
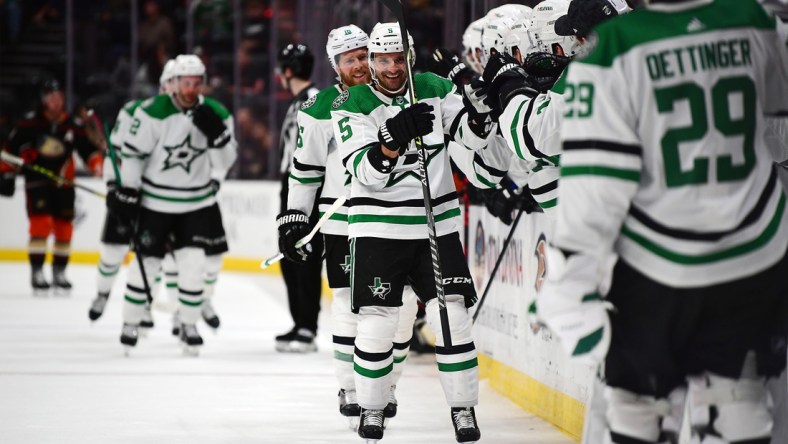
<point x="726" y="124"/>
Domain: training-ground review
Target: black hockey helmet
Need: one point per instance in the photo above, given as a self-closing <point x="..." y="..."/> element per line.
<point x="48" y="86"/>
<point x="298" y="58"/>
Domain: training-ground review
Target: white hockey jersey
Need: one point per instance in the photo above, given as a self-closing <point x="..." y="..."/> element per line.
<point x="116" y="136"/>
<point x="664" y="157"/>
<point x="168" y="158"/>
<point x="391" y="205"/>
<point x="317" y="162"/>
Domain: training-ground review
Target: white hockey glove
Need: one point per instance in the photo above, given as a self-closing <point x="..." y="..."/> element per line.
<point x="570" y="305"/>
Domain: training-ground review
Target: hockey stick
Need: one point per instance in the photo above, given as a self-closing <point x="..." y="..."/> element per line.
<point x="305" y="240"/>
<point x="395" y="6"/>
<point x="60" y="180"/>
<point x="498" y="263"/>
<point x="135" y="229"/>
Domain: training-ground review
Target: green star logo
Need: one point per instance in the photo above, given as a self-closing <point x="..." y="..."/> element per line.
<point x="379" y="288"/>
<point x="182" y="155"/>
<point x="346" y="265"/>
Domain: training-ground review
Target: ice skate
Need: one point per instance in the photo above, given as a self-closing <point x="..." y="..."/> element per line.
<point x="283" y="340"/>
<point x="302" y="341"/>
<point x="97" y="306"/>
<point x="146" y="324"/>
<point x="349" y="408"/>
<point x="176" y="324"/>
<point x="128" y="337"/>
<point x="465" y="427"/>
<point x="59" y="281"/>
<point x="390" y="410"/>
<point x="39" y="282"/>
<point x="371" y="425"/>
<point x="209" y="315"/>
<point x="190" y="339"/>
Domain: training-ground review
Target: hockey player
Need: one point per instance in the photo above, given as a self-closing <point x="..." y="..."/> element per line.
<point x="178" y="149"/>
<point x="373" y="126"/>
<point x="318" y="168"/>
<point x="302" y="277"/>
<point x="692" y="239"/>
<point x="48" y="138"/>
<point x="116" y="235"/>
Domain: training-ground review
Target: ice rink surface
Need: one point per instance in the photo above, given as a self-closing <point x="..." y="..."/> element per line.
<point x="63" y="380"/>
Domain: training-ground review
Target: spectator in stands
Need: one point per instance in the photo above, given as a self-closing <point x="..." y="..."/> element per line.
<point x="156" y="30"/>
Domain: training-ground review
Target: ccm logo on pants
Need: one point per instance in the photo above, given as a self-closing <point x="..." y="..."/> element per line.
<point x="457" y="280"/>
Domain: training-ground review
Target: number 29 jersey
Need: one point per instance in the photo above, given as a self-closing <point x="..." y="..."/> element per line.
<point x="664" y="159"/>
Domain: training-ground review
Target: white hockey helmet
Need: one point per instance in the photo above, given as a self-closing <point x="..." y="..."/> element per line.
<point x="188" y="65"/>
<point x="495" y="32"/>
<point x="166" y="76"/>
<point x="344" y="39"/>
<point x="387" y="37"/>
<point x="542" y="33"/>
<point x="472" y="42"/>
<point x="517" y="38"/>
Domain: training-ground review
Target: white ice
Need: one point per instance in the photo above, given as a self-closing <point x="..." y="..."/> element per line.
<point x="63" y="380"/>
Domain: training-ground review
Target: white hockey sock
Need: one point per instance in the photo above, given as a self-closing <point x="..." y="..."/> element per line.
<point x="134" y="299"/>
<point x="213" y="264"/>
<point x="344" y="336"/>
<point x="110" y="260"/>
<point x="373" y="360"/>
<point x="170" y="271"/>
<point x="407" y="315"/>
<point x="191" y="282"/>
<point x="457" y="365"/>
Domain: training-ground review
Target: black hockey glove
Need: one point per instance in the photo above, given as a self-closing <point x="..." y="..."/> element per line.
<point x="7" y="184"/>
<point x="410" y="123"/>
<point x="479" y="114"/>
<point x="124" y="203"/>
<point x="544" y="69"/>
<point x="505" y="79"/>
<point x="207" y="121"/>
<point x="215" y="185"/>
<point x="447" y="63"/>
<point x="501" y="200"/>
<point x="293" y="226"/>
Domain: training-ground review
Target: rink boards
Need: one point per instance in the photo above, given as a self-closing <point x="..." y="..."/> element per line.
<point x="526" y="367"/>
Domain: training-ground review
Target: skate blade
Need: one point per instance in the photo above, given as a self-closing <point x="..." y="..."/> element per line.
<point x="191" y="350"/>
<point x="296" y="347"/>
<point x="353" y="422"/>
<point x="41" y="292"/>
<point x="370" y="440"/>
<point x="62" y="292"/>
<point x="143" y="332"/>
<point x="127" y="350"/>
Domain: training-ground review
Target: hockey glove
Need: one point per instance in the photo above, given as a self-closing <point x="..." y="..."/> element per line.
<point x="293" y="226"/>
<point x="505" y="79"/>
<point x="410" y="123"/>
<point x="446" y="63"/>
<point x="479" y="118"/>
<point x="210" y="124"/>
<point x="124" y="203"/>
<point x="7" y="184"/>
<point x="544" y="69"/>
<point x="500" y="201"/>
<point x="215" y="185"/>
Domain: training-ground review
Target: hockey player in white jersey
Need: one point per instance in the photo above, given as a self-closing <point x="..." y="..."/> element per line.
<point x="178" y="149"/>
<point x="373" y="126"/>
<point x="316" y="166"/>
<point x="665" y="132"/>
<point x="116" y="234"/>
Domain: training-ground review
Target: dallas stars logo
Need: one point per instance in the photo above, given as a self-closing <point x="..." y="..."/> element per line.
<point x="380" y="289"/>
<point x="182" y="155"/>
<point x="346" y="265"/>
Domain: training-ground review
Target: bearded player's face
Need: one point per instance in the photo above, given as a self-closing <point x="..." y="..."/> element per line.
<point x="188" y="89"/>
<point x="390" y="70"/>
<point x="353" y="67"/>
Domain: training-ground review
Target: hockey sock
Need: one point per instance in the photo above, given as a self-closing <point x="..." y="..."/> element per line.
<point x="135" y="299"/>
<point x="213" y="264"/>
<point x="407" y="315"/>
<point x="170" y="271"/>
<point x="40" y="228"/>
<point x="344" y="336"/>
<point x="457" y="365"/>
<point x="373" y="359"/>
<point x="63" y="230"/>
<point x="110" y="259"/>
<point x="191" y="282"/>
